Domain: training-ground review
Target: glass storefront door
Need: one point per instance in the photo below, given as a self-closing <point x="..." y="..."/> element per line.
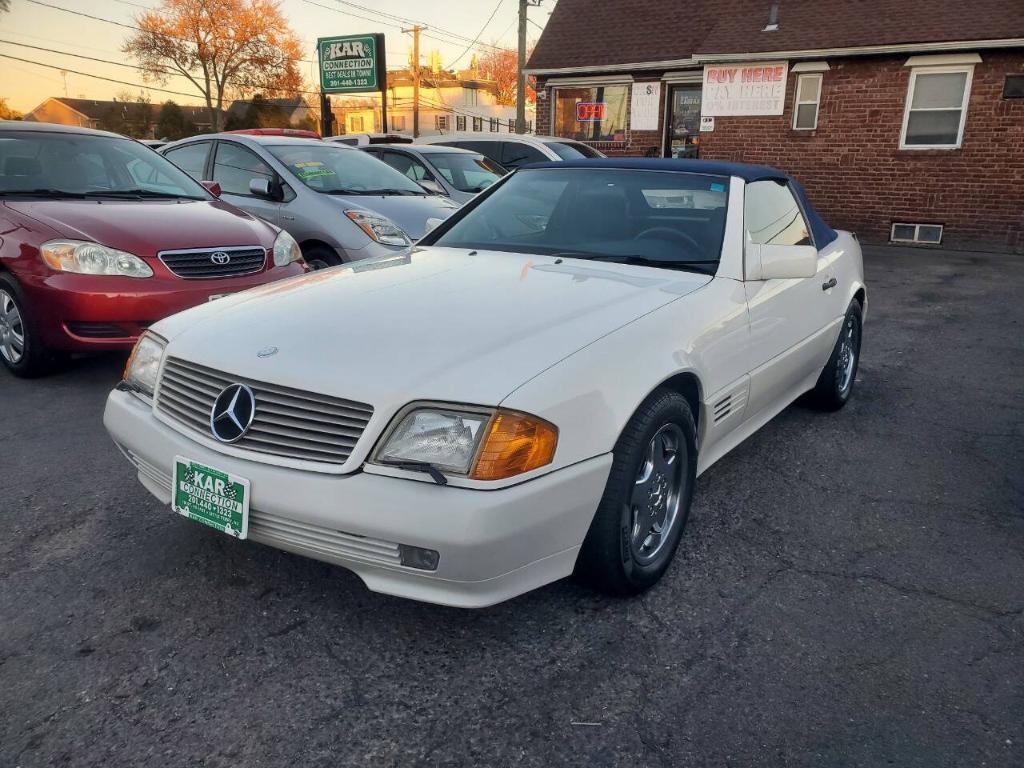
<point x="683" y="139"/>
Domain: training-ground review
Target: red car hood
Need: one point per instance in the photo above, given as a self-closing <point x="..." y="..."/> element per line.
<point x="145" y="227"/>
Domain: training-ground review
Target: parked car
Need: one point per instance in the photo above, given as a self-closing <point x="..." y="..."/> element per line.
<point x="337" y="202"/>
<point x="449" y="171"/>
<point x="366" y="139"/>
<point x="296" y="133"/>
<point x="512" y="150"/>
<point x="101" y="237"/>
<point x="153" y="144"/>
<point x="532" y="390"/>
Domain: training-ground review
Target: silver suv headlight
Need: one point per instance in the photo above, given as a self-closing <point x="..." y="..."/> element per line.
<point x="286" y="250"/>
<point x="88" y="258"/>
<point x="144" y="364"/>
<point x="379" y="228"/>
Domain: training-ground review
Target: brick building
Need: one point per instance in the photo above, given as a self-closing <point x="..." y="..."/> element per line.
<point x="903" y="118"/>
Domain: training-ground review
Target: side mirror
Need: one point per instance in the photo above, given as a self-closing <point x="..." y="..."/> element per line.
<point x="431" y="186"/>
<point x="212" y="187"/>
<point x="261" y="187"/>
<point x="771" y="262"/>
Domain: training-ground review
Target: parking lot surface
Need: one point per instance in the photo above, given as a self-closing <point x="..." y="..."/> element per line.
<point x="849" y="592"/>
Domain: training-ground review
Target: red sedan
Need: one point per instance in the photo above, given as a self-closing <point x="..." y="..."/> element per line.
<point x="100" y="237"/>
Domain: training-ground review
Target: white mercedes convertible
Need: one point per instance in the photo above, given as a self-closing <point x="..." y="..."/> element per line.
<point x="529" y="392"/>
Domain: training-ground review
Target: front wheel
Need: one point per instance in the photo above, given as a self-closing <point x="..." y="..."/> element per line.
<point x="21" y="350"/>
<point x="646" y="501"/>
<point x="319" y="257"/>
<point x="835" y="384"/>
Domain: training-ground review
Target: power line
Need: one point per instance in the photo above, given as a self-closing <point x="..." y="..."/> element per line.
<point x="133" y="26"/>
<point x="478" y="35"/>
<point x="96" y="77"/>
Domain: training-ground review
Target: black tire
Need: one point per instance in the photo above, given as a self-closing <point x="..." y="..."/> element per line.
<point x="835" y="384"/>
<point x="321" y="257"/>
<point x="36" y="359"/>
<point x="608" y="560"/>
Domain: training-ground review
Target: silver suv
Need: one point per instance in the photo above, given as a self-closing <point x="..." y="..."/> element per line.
<point x="340" y="204"/>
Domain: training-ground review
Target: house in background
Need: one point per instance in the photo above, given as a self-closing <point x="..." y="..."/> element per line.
<point x="905" y="121"/>
<point x="449" y="102"/>
<point x="138" y="119"/>
<point x="296" y="111"/>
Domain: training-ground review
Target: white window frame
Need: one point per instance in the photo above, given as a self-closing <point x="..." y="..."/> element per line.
<point x="797" y="103"/>
<point x="926" y="70"/>
<point x="441" y="122"/>
<point x="917" y="233"/>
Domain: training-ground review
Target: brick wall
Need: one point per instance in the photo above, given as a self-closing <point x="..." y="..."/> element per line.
<point x="857" y="176"/>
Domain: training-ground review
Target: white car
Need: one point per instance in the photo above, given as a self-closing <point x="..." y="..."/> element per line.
<point x="531" y="391"/>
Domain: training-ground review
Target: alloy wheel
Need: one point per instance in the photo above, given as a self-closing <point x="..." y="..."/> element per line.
<point x="848" y="345"/>
<point x="12" y="329"/>
<point x="657" y="493"/>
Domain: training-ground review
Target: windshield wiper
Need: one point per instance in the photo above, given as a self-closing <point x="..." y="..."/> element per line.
<point x="44" y="192"/>
<point x="138" y="194"/>
<point x="419" y="466"/>
<point x="643" y="261"/>
<point x="370" y="192"/>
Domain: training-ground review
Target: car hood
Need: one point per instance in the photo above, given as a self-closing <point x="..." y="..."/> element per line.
<point x="145" y="227"/>
<point x="432" y="323"/>
<point x="409" y="212"/>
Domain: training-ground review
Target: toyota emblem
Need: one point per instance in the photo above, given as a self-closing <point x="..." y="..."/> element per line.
<point x="220" y="258"/>
<point x="232" y="413"/>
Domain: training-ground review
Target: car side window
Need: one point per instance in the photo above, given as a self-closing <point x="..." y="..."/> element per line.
<point x="514" y="154"/>
<point x="191" y="158"/>
<point x="234" y="167"/>
<point x="408" y="165"/>
<point x="772" y="216"/>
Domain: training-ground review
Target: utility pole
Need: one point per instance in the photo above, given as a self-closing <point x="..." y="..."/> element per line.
<point x="521" y="82"/>
<point x="415" y="78"/>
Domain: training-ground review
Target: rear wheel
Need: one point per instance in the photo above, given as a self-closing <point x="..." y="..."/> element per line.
<point x="21" y="350"/>
<point x="646" y="502"/>
<point x="321" y="257"/>
<point x="835" y="384"/>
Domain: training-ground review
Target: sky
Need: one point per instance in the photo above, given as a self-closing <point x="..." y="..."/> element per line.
<point x="26" y="85"/>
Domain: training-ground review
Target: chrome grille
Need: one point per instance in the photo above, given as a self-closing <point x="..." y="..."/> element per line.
<point x="289" y="422"/>
<point x="200" y="263"/>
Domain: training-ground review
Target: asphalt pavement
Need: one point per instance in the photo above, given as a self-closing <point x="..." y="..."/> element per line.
<point x="849" y="592"/>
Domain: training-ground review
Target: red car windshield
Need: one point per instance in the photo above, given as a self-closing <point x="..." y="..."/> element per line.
<point x="82" y="165"/>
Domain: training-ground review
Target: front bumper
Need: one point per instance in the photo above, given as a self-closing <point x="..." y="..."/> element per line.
<point x="82" y="313"/>
<point x="493" y="545"/>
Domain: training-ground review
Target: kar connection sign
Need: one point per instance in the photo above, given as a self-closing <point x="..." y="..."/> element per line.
<point x="352" y="64"/>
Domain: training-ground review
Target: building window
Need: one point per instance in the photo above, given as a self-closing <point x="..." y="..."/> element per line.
<point x="1013" y="88"/>
<point x="441" y="122"/>
<point x="355" y="124"/>
<point x="397" y="122"/>
<point x="936" y="107"/>
<point x="807" y="99"/>
<point x="494" y="124"/>
<point x="460" y="123"/>
<point x="478" y="123"/>
<point x="472" y="97"/>
<point x="929" y="234"/>
<point x="591" y="114"/>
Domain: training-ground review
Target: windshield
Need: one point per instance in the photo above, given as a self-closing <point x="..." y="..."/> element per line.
<point x="572" y="150"/>
<point x="467" y="172"/>
<point x="81" y="165"/>
<point x="339" y="170"/>
<point x="668" y="219"/>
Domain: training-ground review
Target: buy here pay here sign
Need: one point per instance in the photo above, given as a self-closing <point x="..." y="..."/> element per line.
<point x="744" y="89"/>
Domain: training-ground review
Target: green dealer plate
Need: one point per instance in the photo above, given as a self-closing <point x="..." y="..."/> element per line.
<point x="211" y="497"/>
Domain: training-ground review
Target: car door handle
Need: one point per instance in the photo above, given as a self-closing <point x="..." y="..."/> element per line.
<point x="830" y="283"/>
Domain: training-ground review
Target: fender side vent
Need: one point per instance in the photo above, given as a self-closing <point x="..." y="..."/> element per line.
<point x="722" y="408"/>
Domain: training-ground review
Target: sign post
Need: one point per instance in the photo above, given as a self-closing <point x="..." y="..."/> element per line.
<point x="352" y="64"/>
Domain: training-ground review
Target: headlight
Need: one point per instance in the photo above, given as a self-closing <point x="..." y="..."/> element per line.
<point x="286" y="250"/>
<point x="378" y="228"/>
<point x="144" y="364"/>
<point x="92" y="259"/>
<point x="483" y="445"/>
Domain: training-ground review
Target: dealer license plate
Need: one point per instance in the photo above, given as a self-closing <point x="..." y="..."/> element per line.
<point x="211" y="497"/>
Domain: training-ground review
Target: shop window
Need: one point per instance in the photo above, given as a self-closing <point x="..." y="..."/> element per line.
<point x="806" y="101"/>
<point x="460" y="123"/>
<point x="928" y="234"/>
<point x="478" y="123"/>
<point x="936" y="107"/>
<point x="591" y="114"/>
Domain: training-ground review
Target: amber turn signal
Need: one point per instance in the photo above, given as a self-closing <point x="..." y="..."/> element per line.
<point x="515" y="443"/>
